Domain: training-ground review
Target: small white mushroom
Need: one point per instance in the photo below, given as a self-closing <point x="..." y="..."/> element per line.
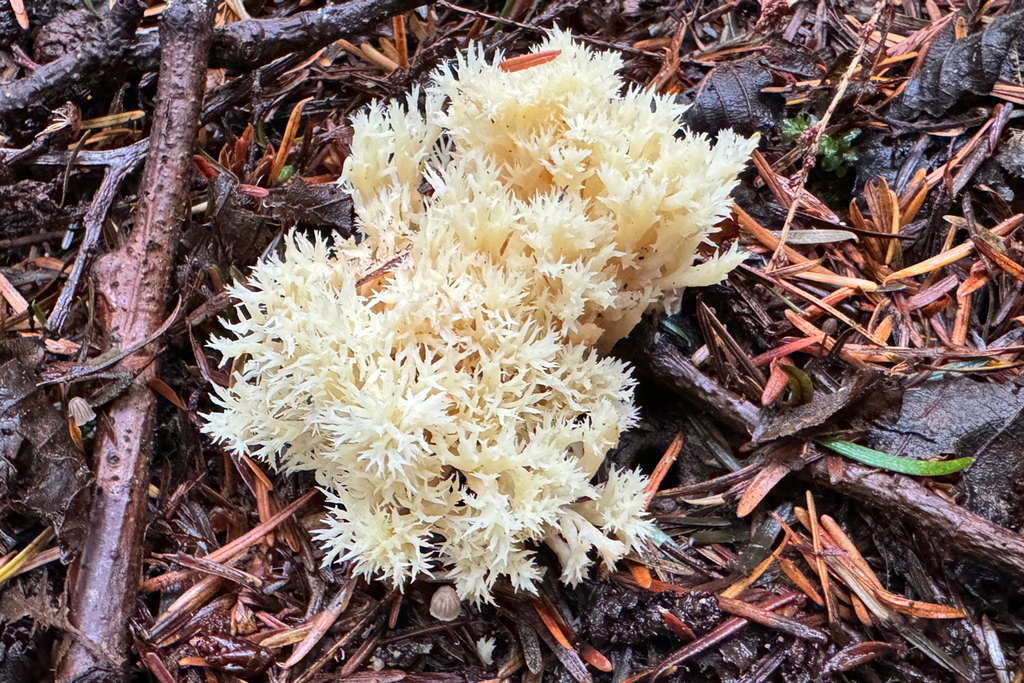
<point x="445" y="604"/>
<point x="80" y="412"/>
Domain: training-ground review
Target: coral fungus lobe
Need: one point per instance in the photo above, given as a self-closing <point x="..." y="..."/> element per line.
<point x="457" y="409"/>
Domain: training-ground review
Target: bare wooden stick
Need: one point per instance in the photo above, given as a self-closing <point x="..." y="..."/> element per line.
<point x="132" y="282"/>
<point x="120" y="166"/>
<point x="962" y="532"/>
<point x="816" y="131"/>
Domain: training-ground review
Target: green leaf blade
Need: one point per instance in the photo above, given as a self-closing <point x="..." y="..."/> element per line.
<point x="894" y="463"/>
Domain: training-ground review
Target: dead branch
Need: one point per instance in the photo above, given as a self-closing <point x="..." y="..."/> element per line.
<point x="662" y="362"/>
<point x="120" y="166"/>
<point x="132" y="282"/>
<point x="246" y="45"/>
<point x="243" y="45"/>
<point x="80" y="68"/>
<point x="964" y="533"/>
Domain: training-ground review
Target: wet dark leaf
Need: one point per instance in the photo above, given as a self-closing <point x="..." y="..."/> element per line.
<point x="27" y="207"/>
<point x="993" y="484"/>
<point x="777" y="423"/>
<point x="954" y="67"/>
<point x="1011" y="153"/>
<point x="793" y="59"/>
<point x="730" y="97"/>
<point x="58" y="37"/>
<point x="31" y="611"/>
<point x="31" y="599"/>
<point x="964" y="418"/>
<point x="42" y="473"/>
<point x="315" y="205"/>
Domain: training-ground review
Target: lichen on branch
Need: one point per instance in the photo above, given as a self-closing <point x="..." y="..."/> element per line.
<point x="456" y="406"/>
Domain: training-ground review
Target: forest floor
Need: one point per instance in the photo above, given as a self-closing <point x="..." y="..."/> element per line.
<point x="837" y="429"/>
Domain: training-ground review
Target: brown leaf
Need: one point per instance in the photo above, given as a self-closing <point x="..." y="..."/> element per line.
<point x="731" y="96"/>
<point x="762" y="484"/>
<point x="1000" y="259"/>
<point x="161" y="387"/>
<point x="776" y="384"/>
<point x="954" y="67"/>
<point x="42" y="473"/>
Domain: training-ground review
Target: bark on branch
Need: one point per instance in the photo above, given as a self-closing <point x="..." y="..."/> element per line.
<point x="79" y="69"/>
<point x="241" y="46"/>
<point x="246" y="45"/>
<point x="964" y="533"/>
<point x="132" y="282"/>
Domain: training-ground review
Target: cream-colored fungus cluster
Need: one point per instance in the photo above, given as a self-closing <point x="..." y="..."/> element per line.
<point x="453" y="404"/>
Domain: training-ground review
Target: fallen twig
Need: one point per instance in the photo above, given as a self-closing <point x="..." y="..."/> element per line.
<point x="132" y="282"/>
<point x="80" y="68"/>
<point x="961" y="531"/>
<point x="727" y="629"/>
<point x="667" y="366"/>
<point x="121" y="165"/>
<point x="242" y="45"/>
<point x="818" y="129"/>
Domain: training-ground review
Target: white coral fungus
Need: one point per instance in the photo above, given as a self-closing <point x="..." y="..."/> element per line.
<point x="442" y="376"/>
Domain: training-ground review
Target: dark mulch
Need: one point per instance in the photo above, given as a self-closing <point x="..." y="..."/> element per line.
<point x="882" y="307"/>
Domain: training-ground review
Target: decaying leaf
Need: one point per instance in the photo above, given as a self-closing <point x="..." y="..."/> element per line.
<point x="954" y="67"/>
<point x="316" y="205"/>
<point x="965" y="418"/>
<point x="42" y="473"/>
<point x="730" y="96"/>
<point x="778" y="423"/>
<point x="1011" y="153"/>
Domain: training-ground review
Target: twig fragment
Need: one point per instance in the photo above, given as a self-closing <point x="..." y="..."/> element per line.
<point x="133" y="284"/>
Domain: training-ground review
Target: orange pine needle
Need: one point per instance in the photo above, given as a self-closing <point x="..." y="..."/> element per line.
<point x="18" y="6"/>
<point x="819" y="561"/>
<point x="840" y="538"/>
<point x="595" y="658"/>
<point x="401" y="44"/>
<point x="860" y="610"/>
<point x="258" y="472"/>
<point x="677" y="625"/>
<point x="523" y="62"/>
<point x="264" y="510"/>
<point x="287" y="140"/>
<point x="192" y="661"/>
<point x="790" y="569"/>
<point x="956" y="253"/>
<point x="662" y="587"/>
<point x="763" y="482"/>
<point x="812" y="312"/>
<point x="786" y="349"/>
<point x="640" y="573"/>
<point x="663" y="467"/>
<point x="743" y="584"/>
<point x="916" y="608"/>
<point x="551" y="624"/>
<point x="961" y="321"/>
